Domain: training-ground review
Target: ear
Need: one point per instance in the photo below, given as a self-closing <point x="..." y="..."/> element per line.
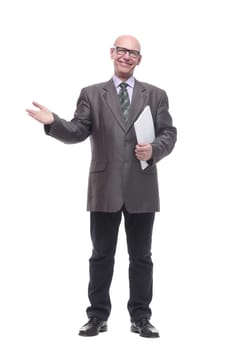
<point x="139" y="60"/>
<point x="112" y="52"/>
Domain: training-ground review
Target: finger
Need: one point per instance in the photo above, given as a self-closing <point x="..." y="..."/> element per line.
<point x="141" y="148"/>
<point x="138" y="148"/>
<point x="30" y="111"/>
<point x="139" y="152"/>
<point x="38" y="105"/>
<point x="33" y="114"/>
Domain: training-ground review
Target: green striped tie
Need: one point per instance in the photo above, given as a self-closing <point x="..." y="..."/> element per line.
<point x="124" y="100"/>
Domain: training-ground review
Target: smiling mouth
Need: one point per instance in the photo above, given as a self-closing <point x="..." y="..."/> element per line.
<point x="125" y="63"/>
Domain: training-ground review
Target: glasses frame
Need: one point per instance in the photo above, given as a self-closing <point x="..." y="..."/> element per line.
<point x="132" y="53"/>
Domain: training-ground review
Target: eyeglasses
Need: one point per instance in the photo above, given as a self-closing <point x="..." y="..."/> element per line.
<point x="122" y="51"/>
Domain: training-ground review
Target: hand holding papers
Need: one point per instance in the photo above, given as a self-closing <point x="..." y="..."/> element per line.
<point x="144" y="129"/>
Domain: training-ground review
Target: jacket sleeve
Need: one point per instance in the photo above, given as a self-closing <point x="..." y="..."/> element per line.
<point x="76" y="130"/>
<point x="166" y="133"/>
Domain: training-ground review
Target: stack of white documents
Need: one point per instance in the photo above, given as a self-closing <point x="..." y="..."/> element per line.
<point x="145" y="130"/>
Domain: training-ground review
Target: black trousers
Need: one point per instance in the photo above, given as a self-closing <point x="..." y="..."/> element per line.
<point x="104" y="233"/>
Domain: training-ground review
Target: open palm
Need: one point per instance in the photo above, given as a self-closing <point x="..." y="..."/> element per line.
<point x="43" y="115"/>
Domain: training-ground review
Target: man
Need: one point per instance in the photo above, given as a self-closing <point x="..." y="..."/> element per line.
<point x="117" y="184"/>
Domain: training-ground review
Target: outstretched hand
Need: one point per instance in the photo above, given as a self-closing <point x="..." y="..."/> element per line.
<point x="43" y="115"/>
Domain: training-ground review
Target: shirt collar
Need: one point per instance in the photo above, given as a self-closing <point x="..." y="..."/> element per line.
<point x="117" y="81"/>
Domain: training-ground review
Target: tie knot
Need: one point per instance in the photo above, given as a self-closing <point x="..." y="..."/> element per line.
<point x="123" y="85"/>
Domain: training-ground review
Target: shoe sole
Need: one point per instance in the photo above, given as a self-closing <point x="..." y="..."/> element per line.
<point x="136" y="330"/>
<point x="101" y="330"/>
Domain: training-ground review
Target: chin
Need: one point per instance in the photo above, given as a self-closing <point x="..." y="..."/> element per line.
<point x="125" y="72"/>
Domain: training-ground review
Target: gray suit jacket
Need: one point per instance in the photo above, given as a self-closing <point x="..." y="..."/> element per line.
<point x="116" y="177"/>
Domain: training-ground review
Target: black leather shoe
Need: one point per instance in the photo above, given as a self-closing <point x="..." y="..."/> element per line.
<point x="145" y="329"/>
<point x="93" y="327"/>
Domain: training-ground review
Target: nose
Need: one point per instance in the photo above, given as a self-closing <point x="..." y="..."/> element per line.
<point x="126" y="55"/>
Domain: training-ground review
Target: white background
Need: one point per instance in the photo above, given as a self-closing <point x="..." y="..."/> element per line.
<point x="49" y="51"/>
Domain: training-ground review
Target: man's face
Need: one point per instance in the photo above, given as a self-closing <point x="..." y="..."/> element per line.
<point x="126" y="56"/>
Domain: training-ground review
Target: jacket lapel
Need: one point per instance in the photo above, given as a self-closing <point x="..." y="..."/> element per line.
<point x="112" y="100"/>
<point x="137" y="104"/>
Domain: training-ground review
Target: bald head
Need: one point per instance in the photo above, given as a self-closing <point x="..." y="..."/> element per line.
<point x="128" y="41"/>
<point x="125" y="54"/>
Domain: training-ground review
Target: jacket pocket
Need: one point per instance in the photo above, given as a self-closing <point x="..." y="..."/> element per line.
<point x="98" y="166"/>
<point x="150" y="170"/>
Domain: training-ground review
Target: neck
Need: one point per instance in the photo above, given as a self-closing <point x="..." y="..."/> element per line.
<point x="123" y="77"/>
